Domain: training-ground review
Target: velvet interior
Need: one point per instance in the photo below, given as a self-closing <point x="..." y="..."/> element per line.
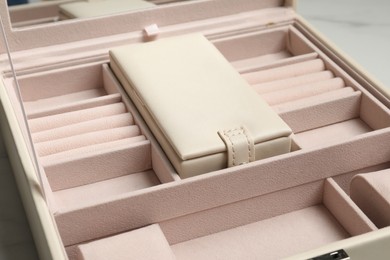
<point x="100" y="160"/>
<point x="84" y="134"/>
<point x="371" y="192"/>
<point x="274" y="238"/>
<point x="315" y="214"/>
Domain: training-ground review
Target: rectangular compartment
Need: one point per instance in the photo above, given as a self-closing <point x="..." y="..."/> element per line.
<point x="311" y="93"/>
<point x="306" y="217"/>
<point x="88" y="137"/>
<point x="264" y="49"/>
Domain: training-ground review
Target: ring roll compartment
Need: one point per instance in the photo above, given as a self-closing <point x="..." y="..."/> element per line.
<point x="88" y="136"/>
<point x="233" y="124"/>
<point x="319" y="101"/>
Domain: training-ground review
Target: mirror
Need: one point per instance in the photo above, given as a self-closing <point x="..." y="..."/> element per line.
<point x="34" y="12"/>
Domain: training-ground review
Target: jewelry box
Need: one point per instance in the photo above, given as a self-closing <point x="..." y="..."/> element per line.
<point x="97" y="184"/>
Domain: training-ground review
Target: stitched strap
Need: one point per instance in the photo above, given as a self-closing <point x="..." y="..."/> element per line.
<point x="239" y="144"/>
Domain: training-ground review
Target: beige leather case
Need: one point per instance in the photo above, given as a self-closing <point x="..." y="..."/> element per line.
<point x="200" y="109"/>
<point x="111" y="187"/>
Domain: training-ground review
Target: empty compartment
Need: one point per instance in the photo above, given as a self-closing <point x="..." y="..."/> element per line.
<point x="252" y="51"/>
<point x="95" y="193"/>
<point x="145" y="243"/>
<point x="337" y="121"/>
<point x="66" y="90"/>
<point x="296" y="220"/>
<point x="306" y="217"/>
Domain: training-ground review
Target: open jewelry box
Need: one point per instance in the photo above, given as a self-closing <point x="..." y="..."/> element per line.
<point x="108" y="190"/>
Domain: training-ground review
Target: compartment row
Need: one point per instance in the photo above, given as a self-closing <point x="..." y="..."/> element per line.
<point x="307" y="217"/>
<point x="315" y="97"/>
<point x="89" y="143"/>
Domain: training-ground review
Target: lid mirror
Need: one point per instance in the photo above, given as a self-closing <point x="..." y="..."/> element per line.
<point x="34" y="12"/>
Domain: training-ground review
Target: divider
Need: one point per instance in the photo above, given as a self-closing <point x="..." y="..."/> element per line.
<point x="320" y="111"/>
<point x="350" y="216"/>
<point x="98" y="192"/>
<point x="60" y="120"/>
<point x="304" y="91"/>
<point x="113" y="160"/>
<point x="254" y="227"/>
<point x="275" y="237"/>
<point x="98" y="124"/>
<point x="173" y="200"/>
<point x="38" y="110"/>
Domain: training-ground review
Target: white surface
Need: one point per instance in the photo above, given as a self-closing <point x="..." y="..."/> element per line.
<point x="360" y="27"/>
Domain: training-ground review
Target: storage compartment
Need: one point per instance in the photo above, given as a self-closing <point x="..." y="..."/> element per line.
<point x="271" y="226"/>
<point x="320" y="102"/>
<point x="305" y="217"/>
<point x="88" y="138"/>
<point x="263" y="49"/>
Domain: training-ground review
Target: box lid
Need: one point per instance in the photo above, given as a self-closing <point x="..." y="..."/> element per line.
<point x="179" y="12"/>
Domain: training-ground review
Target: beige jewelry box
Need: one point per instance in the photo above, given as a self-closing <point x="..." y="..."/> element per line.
<point x="110" y="191"/>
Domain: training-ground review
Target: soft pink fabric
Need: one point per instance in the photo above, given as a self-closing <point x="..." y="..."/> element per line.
<point x="371" y="192"/>
<point x="41" y="111"/>
<point x="98" y="124"/>
<point x="320" y="111"/>
<point x="374" y="113"/>
<point x="241" y="213"/>
<point x="284" y="72"/>
<point x="146" y="243"/>
<point x="100" y="162"/>
<point x="299" y="92"/>
<point x="99" y="192"/>
<point x="111" y="206"/>
<point x="240" y="183"/>
<point x="94" y="149"/>
<point x="350" y="216"/>
<point x="60" y="81"/>
<point x="53" y="102"/>
<point x="273" y="238"/>
<point x="73" y="142"/>
<point x="315" y="100"/>
<point x="331" y="134"/>
<point x="293" y="82"/>
<point x="267" y="43"/>
<point x="54" y="121"/>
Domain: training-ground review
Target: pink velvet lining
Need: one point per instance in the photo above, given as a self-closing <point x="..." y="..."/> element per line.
<point x="54" y="121"/>
<point x="284" y="72"/>
<point x="89" y="145"/>
<point x="273" y="238"/>
<point x="96" y="157"/>
<point x="77" y="141"/>
<point x="98" y="124"/>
